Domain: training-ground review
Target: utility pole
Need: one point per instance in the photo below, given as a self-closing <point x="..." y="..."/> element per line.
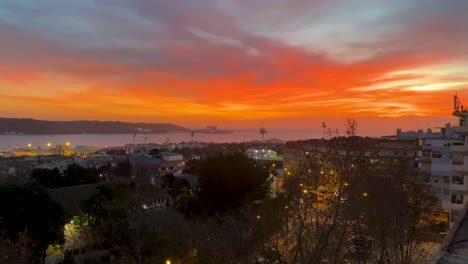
<point x="324" y="127"/>
<point x="263" y="132"/>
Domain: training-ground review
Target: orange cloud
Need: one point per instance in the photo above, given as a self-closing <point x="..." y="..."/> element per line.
<point x="204" y="65"/>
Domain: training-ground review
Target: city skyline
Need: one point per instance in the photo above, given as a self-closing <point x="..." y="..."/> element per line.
<point x="276" y="63"/>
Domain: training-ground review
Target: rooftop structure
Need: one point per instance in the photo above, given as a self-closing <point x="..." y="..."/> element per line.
<point x="455" y="247"/>
<point x="149" y="166"/>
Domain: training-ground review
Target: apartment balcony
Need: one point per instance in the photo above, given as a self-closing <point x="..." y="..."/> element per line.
<point x="459" y="183"/>
<point x="460" y="130"/>
<point x="450" y="205"/>
<point x="446" y="204"/>
<point x="459" y="148"/>
<point x="459" y="166"/>
<point x="456" y="206"/>
<point x="460" y="187"/>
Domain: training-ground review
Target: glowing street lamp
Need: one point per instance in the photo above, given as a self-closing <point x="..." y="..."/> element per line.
<point x="67" y="144"/>
<point x="29" y="145"/>
<point x="49" y="144"/>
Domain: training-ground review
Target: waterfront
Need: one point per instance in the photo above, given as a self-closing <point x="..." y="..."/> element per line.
<point x="9" y="142"/>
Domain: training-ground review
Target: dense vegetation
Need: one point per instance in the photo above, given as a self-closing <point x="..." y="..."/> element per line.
<point x="28" y="218"/>
<point x="73" y="175"/>
<point x="336" y="205"/>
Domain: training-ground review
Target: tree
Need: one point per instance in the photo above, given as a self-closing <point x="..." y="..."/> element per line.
<point x="225" y="181"/>
<point x="175" y="186"/>
<point x="76" y="175"/>
<point x="47" y="178"/>
<point x="16" y="252"/>
<point x="131" y="233"/>
<point x="31" y="211"/>
<point x="111" y="202"/>
<point x="338" y="193"/>
<point x="351" y="127"/>
<point x="123" y="170"/>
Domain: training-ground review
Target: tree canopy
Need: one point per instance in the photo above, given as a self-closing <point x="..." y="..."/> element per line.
<point x="226" y="180"/>
<point x="73" y="175"/>
<point x="30" y="210"/>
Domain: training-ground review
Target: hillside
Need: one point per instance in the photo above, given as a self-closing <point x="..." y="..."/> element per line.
<point x="32" y="126"/>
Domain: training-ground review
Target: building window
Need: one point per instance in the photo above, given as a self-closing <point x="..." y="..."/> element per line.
<point x="436" y="155"/>
<point x="426" y="153"/>
<point x="458" y="179"/>
<point x="457" y="199"/>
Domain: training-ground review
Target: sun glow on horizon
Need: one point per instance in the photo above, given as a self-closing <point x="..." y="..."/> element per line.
<point x="225" y="63"/>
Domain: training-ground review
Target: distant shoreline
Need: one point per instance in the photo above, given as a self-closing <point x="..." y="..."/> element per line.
<point x="27" y="126"/>
<point x="94" y="133"/>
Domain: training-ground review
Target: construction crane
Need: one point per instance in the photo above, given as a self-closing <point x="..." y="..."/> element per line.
<point x="143" y="131"/>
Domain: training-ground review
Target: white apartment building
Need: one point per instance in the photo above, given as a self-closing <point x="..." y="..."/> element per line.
<point x="445" y="157"/>
<point x="459" y="180"/>
<point x="434" y="156"/>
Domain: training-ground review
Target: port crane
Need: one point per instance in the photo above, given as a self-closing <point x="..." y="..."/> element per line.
<point x="143" y="131"/>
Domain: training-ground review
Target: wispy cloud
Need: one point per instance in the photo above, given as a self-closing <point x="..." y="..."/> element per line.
<point x="224" y="60"/>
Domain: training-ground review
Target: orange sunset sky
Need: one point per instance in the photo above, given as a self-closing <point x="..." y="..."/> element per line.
<point x="235" y="64"/>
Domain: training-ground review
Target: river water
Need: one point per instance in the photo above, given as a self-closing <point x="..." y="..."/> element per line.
<point x="10" y="142"/>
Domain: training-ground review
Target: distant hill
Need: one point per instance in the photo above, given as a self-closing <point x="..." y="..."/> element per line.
<point x="32" y="126"/>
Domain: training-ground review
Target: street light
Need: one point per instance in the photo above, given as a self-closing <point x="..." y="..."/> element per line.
<point x="49" y="144"/>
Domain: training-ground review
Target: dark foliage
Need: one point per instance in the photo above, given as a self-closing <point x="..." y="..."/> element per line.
<point x="30" y="210"/>
<point x="102" y="205"/>
<point x="226" y="180"/>
<point x="48" y="178"/>
<point x="73" y="175"/>
<point x="76" y="175"/>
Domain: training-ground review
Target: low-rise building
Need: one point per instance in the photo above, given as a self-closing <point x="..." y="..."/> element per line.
<point x="148" y="166"/>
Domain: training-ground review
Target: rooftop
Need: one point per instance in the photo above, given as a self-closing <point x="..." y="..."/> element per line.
<point x="145" y="159"/>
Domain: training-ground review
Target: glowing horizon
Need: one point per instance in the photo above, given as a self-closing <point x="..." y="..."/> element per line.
<point x="253" y="63"/>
